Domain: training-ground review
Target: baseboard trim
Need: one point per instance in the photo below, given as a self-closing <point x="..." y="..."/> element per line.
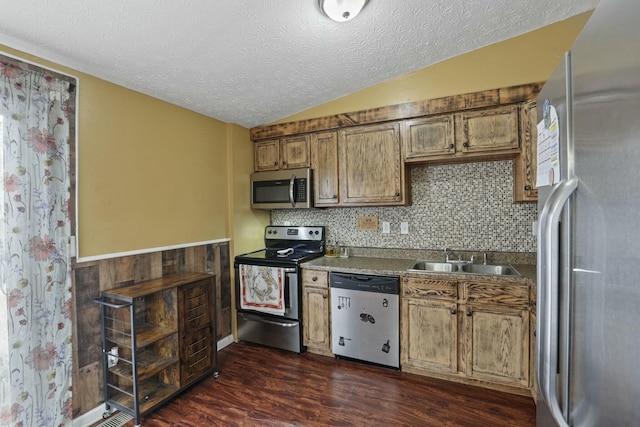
<point x="95" y="414"/>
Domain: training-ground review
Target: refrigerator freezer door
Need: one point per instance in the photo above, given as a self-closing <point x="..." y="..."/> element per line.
<point x="604" y="379"/>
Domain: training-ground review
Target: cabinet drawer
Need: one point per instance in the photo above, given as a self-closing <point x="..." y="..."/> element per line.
<point x="511" y="294"/>
<point x="418" y="287"/>
<point x="197" y="354"/>
<point x="315" y="278"/>
<point x="197" y="311"/>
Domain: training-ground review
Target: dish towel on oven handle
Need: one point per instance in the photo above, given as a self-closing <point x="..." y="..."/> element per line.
<point x="262" y="289"/>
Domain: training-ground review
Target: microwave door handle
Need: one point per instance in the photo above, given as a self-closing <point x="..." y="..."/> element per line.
<point x="292" y="183"/>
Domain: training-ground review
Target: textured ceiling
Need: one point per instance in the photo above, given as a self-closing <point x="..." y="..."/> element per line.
<point x="251" y="62"/>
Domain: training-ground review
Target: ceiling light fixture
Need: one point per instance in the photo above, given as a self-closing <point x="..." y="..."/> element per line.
<point x="342" y="10"/>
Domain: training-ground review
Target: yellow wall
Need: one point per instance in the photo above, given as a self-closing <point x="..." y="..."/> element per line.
<point x="528" y="58"/>
<point x="248" y="230"/>
<point x="151" y="174"/>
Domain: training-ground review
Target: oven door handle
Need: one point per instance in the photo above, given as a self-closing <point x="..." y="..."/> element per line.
<point x="292" y="182"/>
<point x="271" y="322"/>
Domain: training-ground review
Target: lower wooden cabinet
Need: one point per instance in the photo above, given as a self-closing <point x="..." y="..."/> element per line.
<point x="475" y="332"/>
<point x="430" y="335"/>
<point x="497" y="344"/>
<point x="316" y="314"/>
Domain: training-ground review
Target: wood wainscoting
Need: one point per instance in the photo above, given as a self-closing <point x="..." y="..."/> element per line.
<point x="259" y="386"/>
<point x="90" y="278"/>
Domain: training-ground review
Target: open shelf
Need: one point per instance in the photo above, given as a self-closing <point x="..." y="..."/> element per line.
<point x="151" y="393"/>
<point x="149" y="363"/>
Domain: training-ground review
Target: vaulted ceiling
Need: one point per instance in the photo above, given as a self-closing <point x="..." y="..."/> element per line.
<point x="251" y="62"/>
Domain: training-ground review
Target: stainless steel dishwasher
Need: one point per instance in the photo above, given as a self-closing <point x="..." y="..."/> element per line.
<point x="365" y="318"/>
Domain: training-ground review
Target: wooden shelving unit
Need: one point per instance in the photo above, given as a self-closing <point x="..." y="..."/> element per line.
<point x="164" y="332"/>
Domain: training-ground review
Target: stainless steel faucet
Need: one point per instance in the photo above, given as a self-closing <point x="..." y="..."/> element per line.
<point x="449" y="256"/>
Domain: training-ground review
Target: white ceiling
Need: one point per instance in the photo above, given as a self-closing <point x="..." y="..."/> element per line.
<point x="251" y="62"/>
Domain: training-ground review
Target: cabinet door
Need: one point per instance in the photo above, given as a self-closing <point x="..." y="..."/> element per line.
<point x="488" y="130"/>
<point x="196" y="308"/>
<point x="295" y="152"/>
<point x="429" y="335"/>
<point x="371" y="166"/>
<point x="315" y="307"/>
<point x="197" y="355"/>
<point x="525" y="165"/>
<point x="426" y="137"/>
<point x="324" y="162"/>
<point x="497" y="344"/>
<point x="266" y="155"/>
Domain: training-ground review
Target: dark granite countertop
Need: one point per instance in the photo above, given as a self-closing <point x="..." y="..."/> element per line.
<point x="399" y="266"/>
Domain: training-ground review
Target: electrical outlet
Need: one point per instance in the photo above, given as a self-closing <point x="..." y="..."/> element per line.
<point x="386" y="227"/>
<point x="404" y="228"/>
<point x="534" y="228"/>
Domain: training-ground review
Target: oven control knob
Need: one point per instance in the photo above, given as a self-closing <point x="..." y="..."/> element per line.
<point x="310" y="232"/>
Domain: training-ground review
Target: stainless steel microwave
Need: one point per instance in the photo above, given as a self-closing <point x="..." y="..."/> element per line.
<point x="283" y="189"/>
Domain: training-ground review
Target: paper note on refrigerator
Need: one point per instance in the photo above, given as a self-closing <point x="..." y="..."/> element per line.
<point x="548" y="147"/>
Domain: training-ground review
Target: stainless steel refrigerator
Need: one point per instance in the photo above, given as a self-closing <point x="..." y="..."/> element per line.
<point x="588" y="300"/>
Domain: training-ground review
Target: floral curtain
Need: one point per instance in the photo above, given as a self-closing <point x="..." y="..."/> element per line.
<point x="36" y="108"/>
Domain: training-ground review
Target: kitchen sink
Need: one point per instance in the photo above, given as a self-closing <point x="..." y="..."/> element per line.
<point x="457" y="267"/>
<point x="443" y="267"/>
<point x="497" y="270"/>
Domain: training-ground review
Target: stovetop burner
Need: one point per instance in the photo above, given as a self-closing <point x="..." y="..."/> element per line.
<point x="287" y="245"/>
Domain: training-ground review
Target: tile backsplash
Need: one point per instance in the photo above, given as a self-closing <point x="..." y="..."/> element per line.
<point x="464" y="206"/>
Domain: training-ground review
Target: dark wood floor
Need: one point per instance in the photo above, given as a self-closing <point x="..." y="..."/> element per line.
<point x="263" y="387"/>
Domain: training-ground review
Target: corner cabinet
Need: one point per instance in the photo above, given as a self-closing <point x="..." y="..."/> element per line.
<point x="290" y="152"/>
<point x="316" y="313"/>
<point x="371" y="170"/>
<point x="157" y="339"/>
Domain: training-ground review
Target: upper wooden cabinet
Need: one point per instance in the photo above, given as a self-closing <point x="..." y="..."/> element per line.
<point x="371" y="170"/>
<point x="428" y="136"/>
<point x="525" y="165"/>
<point x="291" y="152"/>
<point x="324" y="162"/>
<point x="490" y="133"/>
<point x="359" y="158"/>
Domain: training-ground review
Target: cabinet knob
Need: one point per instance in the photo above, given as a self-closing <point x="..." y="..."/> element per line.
<point x="469" y="313"/>
<point x="397" y="193"/>
<point x="527" y="187"/>
<point x="451" y="146"/>
<point x="465" y="145"/>
<point x="335" y="196"/>
<point x="324" y="296"/>
<point x="275" y="163"/>
<point x="453" y="311"/>
<point x="284" y="163"/>
<point x="314" y="278"/>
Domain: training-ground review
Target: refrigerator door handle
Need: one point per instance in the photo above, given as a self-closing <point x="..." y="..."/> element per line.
<point x="548" y="319"/>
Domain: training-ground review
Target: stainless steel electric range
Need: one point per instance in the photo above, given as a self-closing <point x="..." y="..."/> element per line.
<point x="268" y="286"/>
